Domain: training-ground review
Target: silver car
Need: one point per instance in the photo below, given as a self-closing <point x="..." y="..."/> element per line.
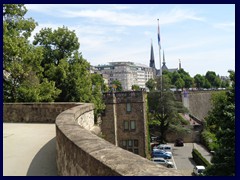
<point x="163" y="162"/>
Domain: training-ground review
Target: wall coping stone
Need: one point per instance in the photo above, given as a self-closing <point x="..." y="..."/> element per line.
<point x="111" y="157"/>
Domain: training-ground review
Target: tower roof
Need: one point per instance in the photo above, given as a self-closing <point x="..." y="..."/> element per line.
<point x="164" y="66"/>
<point x="152" y="61"/>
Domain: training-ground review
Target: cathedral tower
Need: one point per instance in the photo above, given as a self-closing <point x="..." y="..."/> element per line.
<point x="152" y="61"/>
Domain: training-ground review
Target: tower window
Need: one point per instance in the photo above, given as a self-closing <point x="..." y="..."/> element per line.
<point x="130" y="143"/>
<point x="124" y="143"/>
<point x="126" y="125"/>
<point x="129" y="108"/>
<point x="132" y="125"/>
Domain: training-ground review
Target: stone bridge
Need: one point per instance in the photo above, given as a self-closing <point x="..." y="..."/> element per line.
<point x="74" y="146"/>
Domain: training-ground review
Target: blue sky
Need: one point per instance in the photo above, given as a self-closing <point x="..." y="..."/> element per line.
<point x="201" y="36"/>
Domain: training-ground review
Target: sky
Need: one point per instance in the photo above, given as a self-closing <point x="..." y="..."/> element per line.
<point x="202" y="36"/>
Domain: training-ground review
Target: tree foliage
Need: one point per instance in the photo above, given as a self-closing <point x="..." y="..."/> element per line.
<point x="22" y="61"/>
<point x="224" y="157"/>
<point x="135" y="87"/>
<point x="163" y="106"/>
<point x="50" y="69"/>
<point x="151" y="84"/>
<point x="117" y="86"/>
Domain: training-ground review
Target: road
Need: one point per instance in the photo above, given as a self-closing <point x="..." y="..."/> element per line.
<point x="182" y="157"/>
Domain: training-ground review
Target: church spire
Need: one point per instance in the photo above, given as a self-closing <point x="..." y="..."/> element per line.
<point x="164" y="62"/>
<point x="164" y="67"/>
<point x="152" y="62"/>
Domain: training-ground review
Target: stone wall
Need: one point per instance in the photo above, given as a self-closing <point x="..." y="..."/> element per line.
<point x="79" y="152"/>
<point x="134" y="140"/>
<point x="34" y="112"/>
<point x="197" y="102"/>
<point x="200" y="104"/>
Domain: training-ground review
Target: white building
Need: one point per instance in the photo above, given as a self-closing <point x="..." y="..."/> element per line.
<point x="128" y="73"/>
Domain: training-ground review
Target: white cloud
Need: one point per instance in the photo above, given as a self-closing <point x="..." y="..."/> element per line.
<point x="122" y="32"/>
<point x="230" y="26"/>
<point x="177" y="15"/>
<point x="116" y="14"/>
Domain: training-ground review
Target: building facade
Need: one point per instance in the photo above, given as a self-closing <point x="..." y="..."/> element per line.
<point x="127" y="73"/>
<point x="124" y="120"/>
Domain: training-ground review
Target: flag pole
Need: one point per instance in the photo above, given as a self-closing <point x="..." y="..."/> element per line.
<point x="159" y="48"/>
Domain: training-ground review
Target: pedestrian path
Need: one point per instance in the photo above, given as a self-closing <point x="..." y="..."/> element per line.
<point x="205" y="153"/>
<point x="29" y="149"/>
<point x="191" y="121"/>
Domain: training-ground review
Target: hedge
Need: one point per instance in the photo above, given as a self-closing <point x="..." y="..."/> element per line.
<point x="199" y="159"/>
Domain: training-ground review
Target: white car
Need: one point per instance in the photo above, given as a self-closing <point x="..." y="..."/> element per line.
<point x="163" y="162"/>
<point x="198" y="170"/>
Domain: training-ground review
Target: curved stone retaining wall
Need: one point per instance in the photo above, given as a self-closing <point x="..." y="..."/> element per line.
<point x="34" y="112"/>
<point x="79" y="152"/>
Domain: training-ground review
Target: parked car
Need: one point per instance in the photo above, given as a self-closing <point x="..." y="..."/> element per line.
<point x="165" y="147"/>
<point x="155" y="139"/>
<point x="198" y="170"/>
<point x="163" y="161"/>
<point x="179" y="142"/>
<point x="167" y="152"/>
<point x="161" y="154"/>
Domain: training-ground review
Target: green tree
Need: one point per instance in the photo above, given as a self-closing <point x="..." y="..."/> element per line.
<point x="58" y="44"/>
<point x="135" y="87"/>
<point x="224" y="158"/>
<point x="163" y="106"/>
<point x="98" y="87"/>
<point x="175" y="77"/>
<point x="188" y="80"/>
<point x="179" y="83"/>
<point x="21" y="60"/>
<point x="77" y="86"/>
<point x="213" y="79"/>
<point x="207" y="84"/>
<point x="151" y="84"/>
<point x="199" y="81"/>
<point x="64" y="65"/>
<point x="117" y="85"/>
<point x="217" y="82"/>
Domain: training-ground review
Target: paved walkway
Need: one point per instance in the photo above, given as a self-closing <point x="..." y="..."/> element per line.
<point x="29" y="149"/>
<point x="207" y="155"/>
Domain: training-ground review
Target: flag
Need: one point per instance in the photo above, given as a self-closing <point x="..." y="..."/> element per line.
<point x="159" y="36"/>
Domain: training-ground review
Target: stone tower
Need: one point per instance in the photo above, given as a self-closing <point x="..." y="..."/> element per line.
<point x="124" y="120"/>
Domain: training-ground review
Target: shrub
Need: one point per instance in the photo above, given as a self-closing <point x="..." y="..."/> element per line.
<point x="199" y="159"/>
<point x="208" y="139"/>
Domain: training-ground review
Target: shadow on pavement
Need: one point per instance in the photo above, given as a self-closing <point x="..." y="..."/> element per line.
<point x="192" y="161"/>
<point x="44" y="162"/>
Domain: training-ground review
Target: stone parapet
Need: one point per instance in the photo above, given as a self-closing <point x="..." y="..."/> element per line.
<point x="79" y="152"/>
<point x="34" y="112"/>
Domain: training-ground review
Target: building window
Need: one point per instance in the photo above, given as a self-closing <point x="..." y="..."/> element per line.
<point x="132" y="125"/>
<point x="124" y="143"/>
<point x="126" y="126"/>
<point x="129" y="108"/>
<point x="135" y="150"/>
<point x="135" y="143"/>
<point x="130" y="143"/>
